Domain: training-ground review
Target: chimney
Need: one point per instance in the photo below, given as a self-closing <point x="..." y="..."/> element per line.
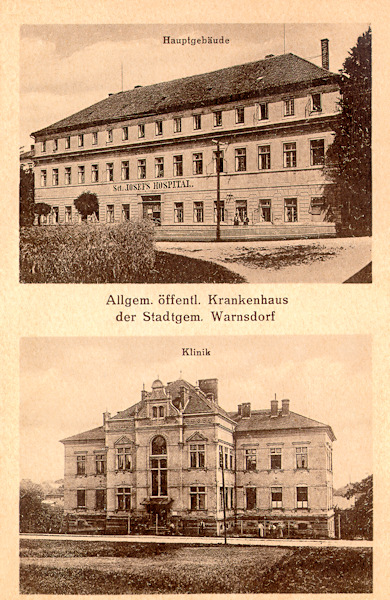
<point x="246" y="410"/>
<point x="106" y="417"/>
<point x="183" y="395"/>
<point x="285" y="407"/>
<point x="209" y="386"/>
<point x="239" y="409"/>
<point x="274" y="408"/>
<point x="325" y="53"/>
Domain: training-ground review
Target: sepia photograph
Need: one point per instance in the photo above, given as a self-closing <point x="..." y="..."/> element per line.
<point x="225" y="464"/>
<point x="196" y="153"/>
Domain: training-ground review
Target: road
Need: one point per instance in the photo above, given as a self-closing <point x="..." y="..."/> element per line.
<point x="201" y="540"/>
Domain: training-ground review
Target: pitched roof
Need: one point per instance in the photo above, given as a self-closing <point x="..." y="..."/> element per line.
<point x="92" y="435"/>
<point x="128" y="412"/>
<point x="254" y="79"/>
<point x="261" y="420"/>
<point x="198" y="402"/>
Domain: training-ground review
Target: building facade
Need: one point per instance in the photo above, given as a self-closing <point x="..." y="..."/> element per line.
<point x="156" y="152"/>
<point x="177" y="458"/>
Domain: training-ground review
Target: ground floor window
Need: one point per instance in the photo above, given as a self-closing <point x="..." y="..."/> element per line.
<point x="265" y="210"/>
<point x="110" y="213"/>
<point x="123" y="498"/>
<point x="100" y="499"/>
<point x="179" y="212"/>
<point x="221" y="211"/>
<point x="198" y="497"/>
<point x="291" y="210"/>
<point x="302" y="497"/>
<point x="198" y="212"/>
<point x="241" y="210"/>
<point x="68" y="214"/>
<point x="250" y="498"/>
<point x="276" y="497"/>
<point x="125" y="212"/>
<point x="54" y="215"/>
<point x="316" y="208"/>
<point x="80" y="498"/>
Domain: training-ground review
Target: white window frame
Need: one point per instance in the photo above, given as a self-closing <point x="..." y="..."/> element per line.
<point x="110" y="213"/>
<point x="68" y="176"/>
<point x="159" y="167"/>
<point x="123" y="458"/>
<point x="292" y="204"/>
<point x="263" y="111"/>
<point x="110" y="172"/>
<point x="141" y="130"/>
<point x="198" y="492"/>
<point x="43" y="177"/>
<point x="80" y="140"/>
<point x="123" y="498"/>
<point x="67" y="142"/>
<point x="302" y="504"/>
<point x="126" y="212"/>
<point x="217" y="119"/>
<point x="240" y="160"/>
<point x="177" y="125"/>
<point x="125" y="170"/>
<point x="312" y="151"/>
<point x="198" y="211"/>
<point x="248" y="458"/>
<point x="315" y="109"/>
<point x="275" y="451"/>
<point x="240" y="108"/>
<point x="94" y="173"/>
<point x="55" y="145"/>
<point x="276" y="503"/>
<point x="178" y="163"/>
<point x="197" y="163"/>
<point x="197" y="455"/>
<point x="110" y="136"/>
<point x="141" y="168"/>
<point x="94" y="138"/>
<point x="288" y="107"/>
<point x="125" y="133"/>
<point x="158" y="127"/>
<point x="263" y="152"/>
<point x="81" y="174"/>
<point x="197" y="122"/>
<point x="68" y="214"/>
<point x="55" y="177"/>
<point x="289" y="155"/>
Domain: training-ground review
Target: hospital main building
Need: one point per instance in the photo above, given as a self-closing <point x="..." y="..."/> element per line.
<point x="177" y="458"/>
<point x="151" y="152"/>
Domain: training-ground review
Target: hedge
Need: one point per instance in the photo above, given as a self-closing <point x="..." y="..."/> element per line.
<point x="87" y="253"/>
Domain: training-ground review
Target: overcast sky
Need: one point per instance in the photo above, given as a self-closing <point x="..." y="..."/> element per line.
<point x="65" y="68"/>
<point x="67" y="384"/>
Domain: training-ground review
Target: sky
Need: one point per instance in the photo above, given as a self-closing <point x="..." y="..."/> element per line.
<point x="67" y="383"/>
<point x="65" y="68"/>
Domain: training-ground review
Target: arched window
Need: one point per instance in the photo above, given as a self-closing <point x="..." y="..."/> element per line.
<point x="158" y="467"/>
<point x="159" y="446"/>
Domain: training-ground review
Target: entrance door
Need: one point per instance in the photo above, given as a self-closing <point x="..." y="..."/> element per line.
<point x="151" y="208"/>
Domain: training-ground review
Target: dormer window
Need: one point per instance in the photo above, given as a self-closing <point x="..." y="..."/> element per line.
<point x="316" y="103"/>
<point x="158" y="412"/>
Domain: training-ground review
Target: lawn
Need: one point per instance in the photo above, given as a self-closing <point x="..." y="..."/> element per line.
<point x="74" y="567"/>
<point x="283" y="256"/>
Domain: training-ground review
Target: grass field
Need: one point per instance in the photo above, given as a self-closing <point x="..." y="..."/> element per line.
<point x="75" y="567"/>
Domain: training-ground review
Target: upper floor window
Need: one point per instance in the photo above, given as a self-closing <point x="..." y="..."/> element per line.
<point x="109" y="136"/>
<point x="43" y="146"/>
<point x="141" y="130"/>
<point x="197" y="122"/>
<point x="100" y="463"/>
<point x="275" y="458"/>
<point x="142" y="168"/>
<point x="159" y="445"/>
<point x="125" y="170"/>
<point x="157" y="412"/>
<point x="218" y="118"/>
<point x="290" y="155"/>
<point x="302" y="497"/>
<point x="276" y="497"/>
<point x="240" y="159"/>
<point x="110" y="171"/>
<point x="317" y="152"/>
<point x="43" y="178"/>
<point x="177" y="125"/>
<point x="288" y="107"/>
<point x="81" y="464"/>
<point x="218" y="161"/>
<point x="301" y="457"/>
<point x="55" y="177"/>
<point x="250" y="459"/>
<point x="68" y="175"/>
<point x="81" y="174"/>
<point x="81" y="140"/>
<point x="197" y="456"/>
<point x="240" y="114"/>
<point x="263" y="111"/>
<point x="329" y="461"/>
<point x="316" y="103"/>
<point x="198" y="497"/>
<point x="67" y="142"/>
<point x="159" y="127"/>
<point x="197" y="163"/>
<point x="55" y="145"/>
<point x="159" y="167"/>
<point x="158" y="466"/>
<point x="123" y="458"/>
<point x="178" y="165"/>
<point x="264" y="158"/>
<point x="125" y="134"/>
<point x="95" y="173"/>
<point x="94" y="138"/>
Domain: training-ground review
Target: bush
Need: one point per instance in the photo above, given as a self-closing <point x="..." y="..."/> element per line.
<point x="86" y="253"/>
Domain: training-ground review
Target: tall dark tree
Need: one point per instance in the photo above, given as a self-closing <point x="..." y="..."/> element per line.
<point x="26" y="197"/>
<point x="42" y="210"/>
<point x="87" y="204"/>
<point x="348" y="159"/>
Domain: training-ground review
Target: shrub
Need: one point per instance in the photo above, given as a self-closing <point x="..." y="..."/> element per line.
<point x="87" y="253"/>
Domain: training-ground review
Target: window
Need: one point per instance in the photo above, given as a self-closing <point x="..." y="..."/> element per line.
<point x="263" y="111"/>
<point x="125" y="134"/>
<point x="44" y="146"/>
<point x="317" y="152"/>
<point x="276" y="458"/>
<point x="301" y="457"/>
<point x="123" y="458"/>
<point x="123" y="498"/>
<point x="159" y="127"/>
<point x="177" y="125"/>
<point x="159" y="167"/>
<point x="221" y="211"/>
<point x="197" y="163"/>
<point x="100" y="503"/>
<point x="197" y="456"/>
<point x="157" y="412"/>
<point x="198" y="497"/>
<point x="290" y="210"/>
<point x="265" y="210"/>
<point x="250" y="498"/>
<point x="179" y="212"/>
<point x="110" y="213"/>
<point x="231" y="497"/>
<point x="141" y="130"/>
<point x="81" y="464"/>
<point x="198" y="212"/>
<point x="125" y="212"/>
<point x="290" y="155"/>
<point x="68" y="214"/>
<point x="55" y="214"/>
<point x="302" y="497"/>
<point x="240" y="159"/>
<point x="316" y="103"/>
<point x="109" y="136"/>
<point x="94" y="138"/>
<point x="55" y="177"/>
<point x="289" y="107"/>
<point x="178" y="166"/>
<point x="329" y="460"/>
<point x="68" y="175"/>
<point x="142" y="168"/>
<point x="81" y="140"/>
<point x="67" y="142"/>
<point x="218" y="118"/>
<point x="43" y="178"/>
<point x="95" y="173"/>
<point x="125" y="170"/>
<point x="110" y="172"/>
<point x="81" y="174"/>
<point x="55" y="145"/>
<point x="250" y="459"/>
<point x="264" y="157"/>
<point x="317" y="207"/>
<point x="160" y="412"/>
<point x="154" y="412"/>
<point x="241" y="210"/>
<point x="158" y="465"/>
<point x="220" y="160"/>
<point x="276" y="497"/>
<point x="197" y="122"/>
<point x="80" y="498"/>
<point x="231" y="457"/>
<point x="240" y="114"/>
<point x="100" y="461"/>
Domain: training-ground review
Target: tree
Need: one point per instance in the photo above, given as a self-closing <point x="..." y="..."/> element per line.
<point x="41" y="209"/>
<point x="87" y="204"/>
<point x="26" y="197"/>
<point x="358" y="520"/>
<point x="348" y="159"/>
<point x="34" y="515"/>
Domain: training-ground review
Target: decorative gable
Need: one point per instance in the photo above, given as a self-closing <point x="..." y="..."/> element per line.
<point x="197" y="437"/>
<point x="123" y="441"/>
